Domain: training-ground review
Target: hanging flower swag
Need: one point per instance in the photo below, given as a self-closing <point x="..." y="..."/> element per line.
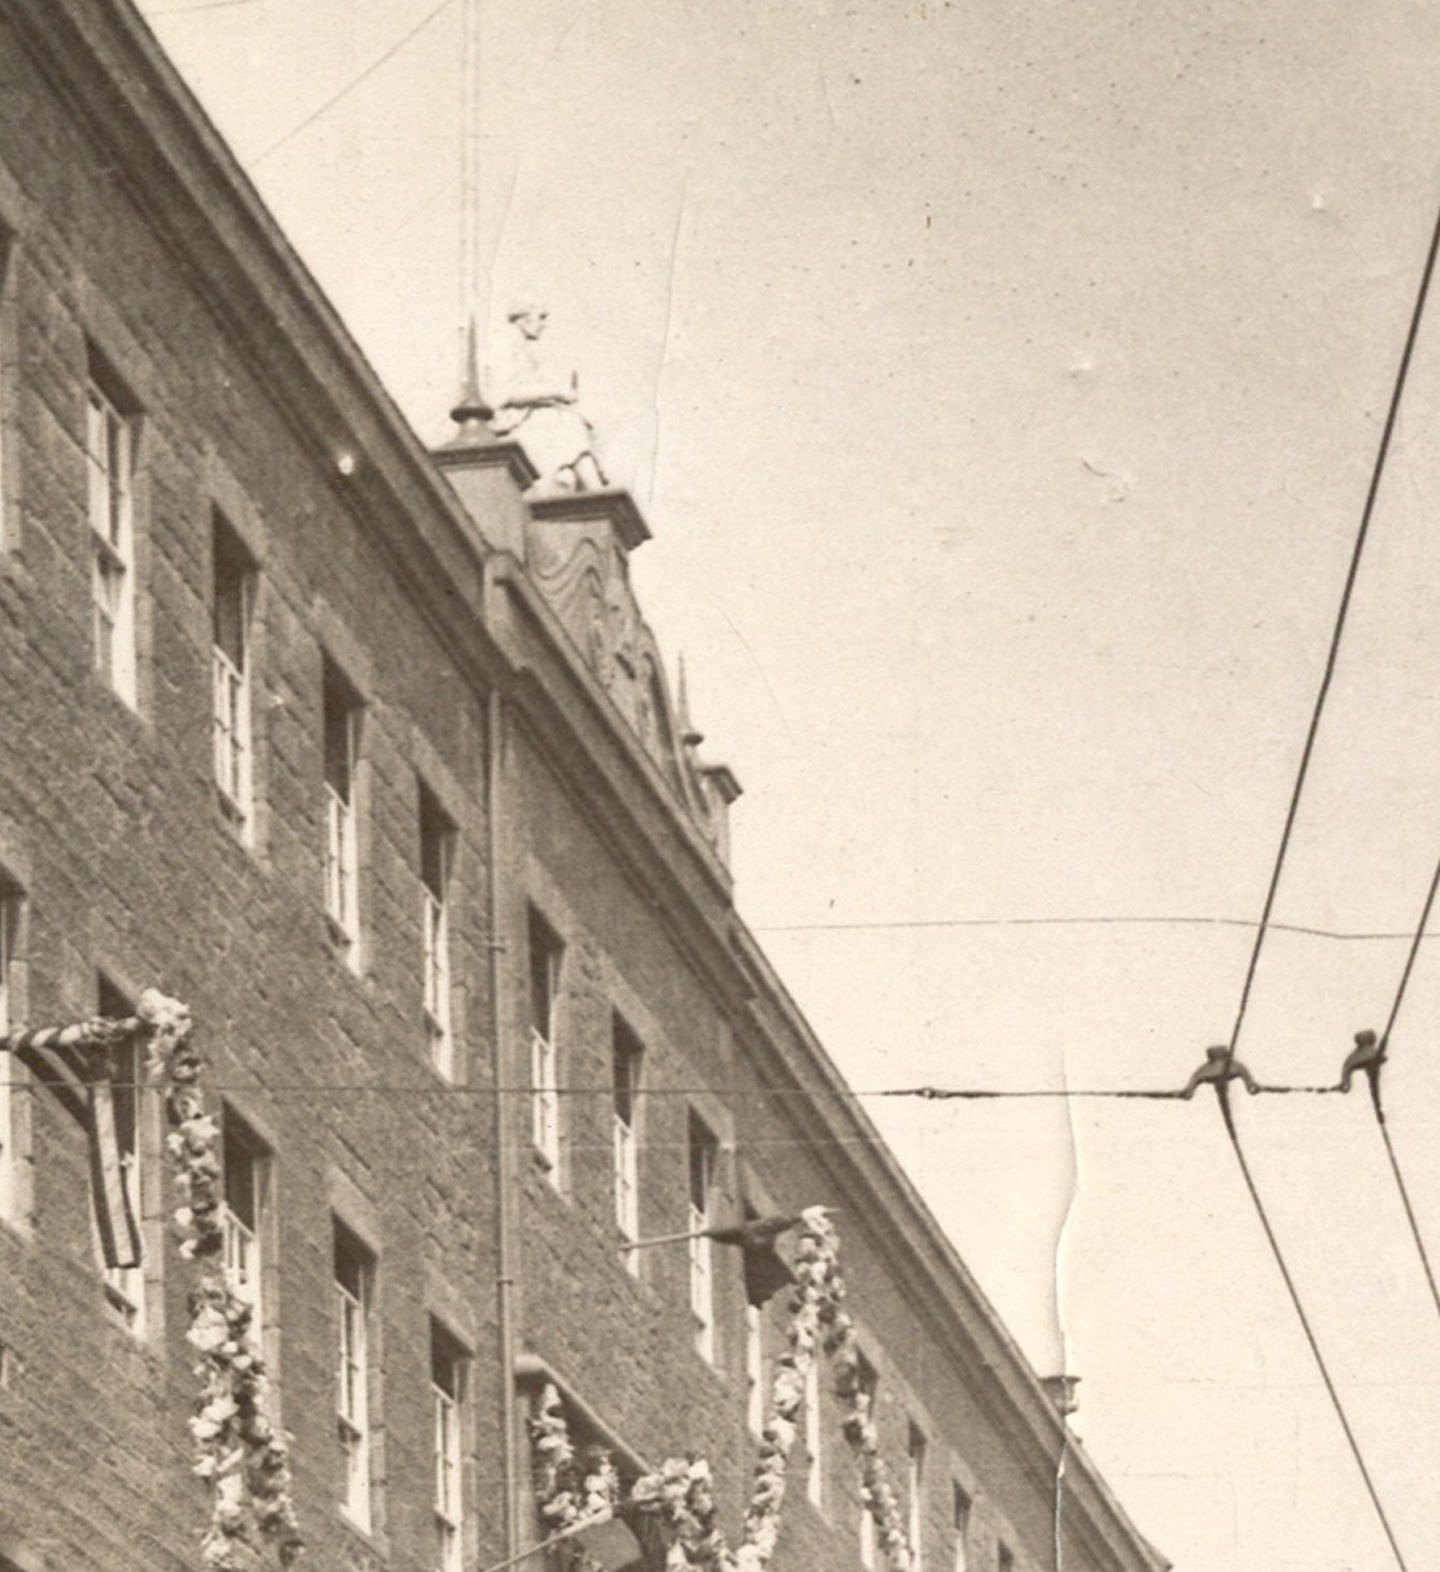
<point x="240" y="1452"/>
<point x="679" y="1495"/>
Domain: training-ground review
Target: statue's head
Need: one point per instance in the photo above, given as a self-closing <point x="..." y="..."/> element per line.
<point x="1365" y="1039"/>
<point x="528" y="317"/>
<point x="1217" y="1053"/>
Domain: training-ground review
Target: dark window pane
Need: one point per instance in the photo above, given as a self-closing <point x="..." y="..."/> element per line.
<point x="625" y="1070"/>
<point x="435" y="833"/>
<point x="339" y="722"/>
<point x="544" y="971"/>
<point x="351" y="1260"/>
<point x="702" y="1162"/>
<point x="230" y="600"/>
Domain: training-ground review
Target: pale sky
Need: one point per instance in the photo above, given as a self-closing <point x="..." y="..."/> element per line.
<point x="1001" y="384"/>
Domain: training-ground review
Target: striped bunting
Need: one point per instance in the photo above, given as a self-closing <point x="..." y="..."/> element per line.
<point x="72" y="1063"/>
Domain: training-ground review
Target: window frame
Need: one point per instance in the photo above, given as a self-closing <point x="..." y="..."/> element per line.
<point x="244" y="1244"/>
<point x="627" y="1058"/>
<point x="231" y="675"/>
<point x="352" y="1347"/>
<point x="11" y="1200"/>
<point x="448" y="1449"/>
<point x="112" y="440"/>
<point x="703" y="1156"/>
<point x="961" y="1506"/>
<point x="867" y="1380"/>
<point x="342" y="711"/>
<point x="9" y="393"/>
<point x="815" y="1462"/>
<point x="546" y="957"/>
<point x="125" y="1285"/>
<point x="754" y="1368"/>
<point x="437" y="845"/>
<point x="916" y="1450"/>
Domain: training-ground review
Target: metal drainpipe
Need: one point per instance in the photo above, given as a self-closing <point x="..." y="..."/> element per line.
<point x="504" y="1178"/>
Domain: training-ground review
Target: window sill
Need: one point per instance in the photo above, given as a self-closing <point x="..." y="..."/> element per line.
<point x="140" y="1334"/>
<point x="127" y="710"/>
<point x="12" y="556"/>
<point x="550" y="1167"/>
<point x="344" y="946"/>
<point x="124" y="1313"/>
<point x="366" y="1536"/>
<point x="440" y="1044"/>
<point x="19" y="1226"/>
<point x="639" y="1283"/>
<point x="723" y="1380"/>
<point x="818" y="1508"/>
<point x="235" y="813"/>
<point x="450" y="1081"/>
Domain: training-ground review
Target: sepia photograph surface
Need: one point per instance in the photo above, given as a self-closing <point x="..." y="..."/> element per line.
<point x="719" y="786"/>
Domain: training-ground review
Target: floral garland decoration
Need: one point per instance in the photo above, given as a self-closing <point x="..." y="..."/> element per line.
<point x="680" y="1492"/>
<point x="814" y="1305"/>
<point x="571" y="1487"/>
<point x="858" y="1426"/>
<point x="240" y="1453"/>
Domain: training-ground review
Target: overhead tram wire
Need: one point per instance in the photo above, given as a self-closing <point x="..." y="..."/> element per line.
<point x="349" y="87"/>
<point x="1308" y="1330"/>
<point x="433" y="1087"/>
<point x="1367" y="513"/>
<point x="1232" y="1069"/>
<point x="1348" y="936"/>
<point x="200" y="5"/>
<point x="1373" y="1079"/>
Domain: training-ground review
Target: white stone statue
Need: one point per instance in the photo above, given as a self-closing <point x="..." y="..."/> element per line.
<point x="538" y="404"/>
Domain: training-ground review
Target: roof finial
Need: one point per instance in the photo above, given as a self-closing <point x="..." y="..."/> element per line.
<point x="471" y="413"/>
<point x="689" y="737"/>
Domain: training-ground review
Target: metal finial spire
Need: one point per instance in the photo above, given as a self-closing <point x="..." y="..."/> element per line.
<point x="471" y="413"/>
<point x="689" y="737"/>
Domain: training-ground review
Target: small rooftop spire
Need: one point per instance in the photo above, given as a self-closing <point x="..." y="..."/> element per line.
<point x="689" y="737"/>
<point x="471" y="413"/>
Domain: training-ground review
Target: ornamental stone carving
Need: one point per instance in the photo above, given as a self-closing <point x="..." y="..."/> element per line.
<point x="578" y="545"/>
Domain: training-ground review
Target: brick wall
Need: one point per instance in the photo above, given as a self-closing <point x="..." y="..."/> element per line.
<point x="130" y="866"/>
<point x="628" y="1343"/>
<point x="111" y="822"/>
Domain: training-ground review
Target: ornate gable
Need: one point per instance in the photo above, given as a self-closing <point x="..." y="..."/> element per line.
<point x="578" y="549"/>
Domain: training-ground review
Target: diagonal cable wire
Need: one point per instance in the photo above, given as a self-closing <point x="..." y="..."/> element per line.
<point x="1349" y="936"/>
<point x="432" y="1086"/>
<point x="1410" y="958"/>
<point x="1409" y="1209"/>
<point x="1310" y="1338"/>
<point x="1263" y="927"/>
<point x="201" y="5"/>
<point x="352" y="84"/>
<point x="1373" y="1077"/>
<point x="1367" y="513"/>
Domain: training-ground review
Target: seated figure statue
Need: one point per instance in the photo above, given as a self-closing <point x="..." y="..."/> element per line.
<point x="538" y="405"/>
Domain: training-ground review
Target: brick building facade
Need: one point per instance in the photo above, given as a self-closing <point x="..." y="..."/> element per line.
<point x="373" y="763"/>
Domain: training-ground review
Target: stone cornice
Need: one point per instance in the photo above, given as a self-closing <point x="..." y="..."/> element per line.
<point x="611" y="505"/>
<point x="177" y="170"/>
<point x="928" y="1268"/>
<point x="565" y="703"/>
<point x="786" y="1051"/>
<point x="508" y="456"/>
